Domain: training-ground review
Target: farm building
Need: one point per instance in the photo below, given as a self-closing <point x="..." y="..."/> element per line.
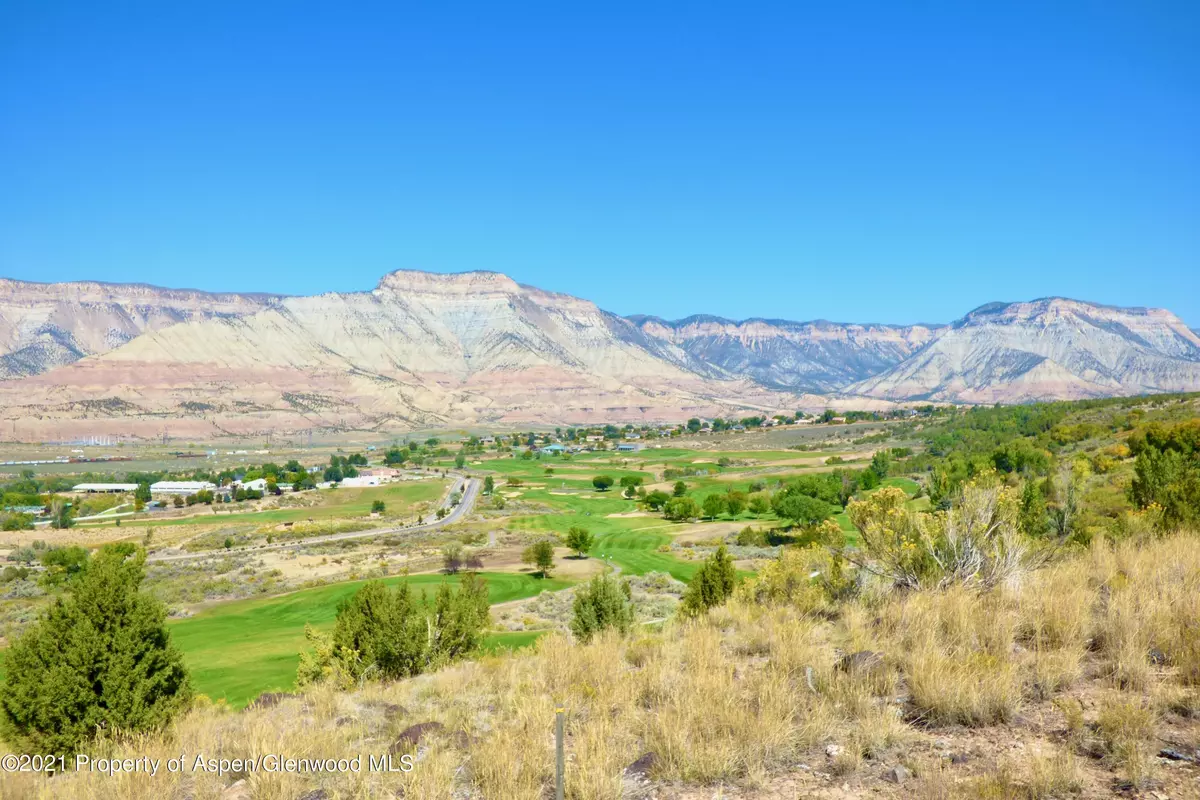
<point x="180" y="487"/>
<point x="112" y="488"/>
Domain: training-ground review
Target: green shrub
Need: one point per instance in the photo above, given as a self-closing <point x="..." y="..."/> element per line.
<point x="390" y="634"/>
<point x="98" y="658"/>
<point x="712" y="584"/>
<point x="602" y="604"/>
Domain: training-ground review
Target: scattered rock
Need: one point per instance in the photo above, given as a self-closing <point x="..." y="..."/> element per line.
<point x="269" y="699"/>
<point x="1157" y="657"/>
<point x="897" y="775"/>
<point x="315" y="794"/>
<point x="642" y="766"/>
<point x="959" y="758"/>
<point x="861" y="661"/>
<point x="833" y="750"/>
<point x="1174" y="755"/>
<point x="940" y="744"/>
<point x="238" y="790"/>
<point x="411" y="736"/>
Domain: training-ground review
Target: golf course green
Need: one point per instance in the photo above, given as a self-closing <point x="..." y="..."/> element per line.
<point x="238" y="650"/>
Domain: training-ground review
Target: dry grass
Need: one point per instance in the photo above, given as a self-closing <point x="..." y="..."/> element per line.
<point x="1126" y="726"/>
<point x="747" y="692"/>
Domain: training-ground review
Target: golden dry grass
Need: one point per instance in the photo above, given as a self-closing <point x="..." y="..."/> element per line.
<point x="743" y="694"/>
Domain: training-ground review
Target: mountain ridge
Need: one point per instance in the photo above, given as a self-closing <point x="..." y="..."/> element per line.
<point x="422" y="349"/>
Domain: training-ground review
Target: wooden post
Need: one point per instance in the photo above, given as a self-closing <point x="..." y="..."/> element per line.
<point x="558" y="746"/>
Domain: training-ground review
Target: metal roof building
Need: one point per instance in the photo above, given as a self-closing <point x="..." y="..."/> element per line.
<point x="105" y="487"/>
<point x="180" y="487"/>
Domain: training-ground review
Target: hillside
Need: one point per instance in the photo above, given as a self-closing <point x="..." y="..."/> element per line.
<point x="951" y="695"/>
<point x="995" y="602"/>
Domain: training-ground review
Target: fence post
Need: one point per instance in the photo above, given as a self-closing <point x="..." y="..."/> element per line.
<point x="558" y="747"/>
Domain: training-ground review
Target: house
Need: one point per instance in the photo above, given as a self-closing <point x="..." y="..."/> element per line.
<point x="110" y="488"/>
<point x="633" y="436"/>
<point x="388" y="473"/>
<point x="257" y="485"/>
<point x="361" y="481"/>
<point x="181" y="487"/>
<point x="553" y="449"/>
<point x="628" y="448"/>
<point x="595" y="437"/>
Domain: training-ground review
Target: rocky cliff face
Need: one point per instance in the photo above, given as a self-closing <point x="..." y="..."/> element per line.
<point x="420" y="350"/>
<point x="48" y="325"/>
<point x="819" y="357"/>
<point x="1047" y="349"/>
<point x="424" y="350"/>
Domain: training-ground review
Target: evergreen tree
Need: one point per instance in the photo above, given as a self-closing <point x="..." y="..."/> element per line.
<point x="391" y="634"/>
<point x="712" y="584"/>
<point x="459" y="619"/>
<point x="98" y="658"/>
<point x="384" y="630"/>
<point x="601" y="605"/>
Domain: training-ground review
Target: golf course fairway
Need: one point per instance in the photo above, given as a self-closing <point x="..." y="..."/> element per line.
<point x="238" y="650"/>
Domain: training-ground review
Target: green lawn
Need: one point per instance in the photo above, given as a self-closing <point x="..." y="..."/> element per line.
<point x="511" y="640"/>
<point x="240" y="649"/>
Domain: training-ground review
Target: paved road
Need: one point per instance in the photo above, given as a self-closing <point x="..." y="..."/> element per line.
<point x="469" y="487"/>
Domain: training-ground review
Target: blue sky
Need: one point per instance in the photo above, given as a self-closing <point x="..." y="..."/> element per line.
<point x="854" y="161"/>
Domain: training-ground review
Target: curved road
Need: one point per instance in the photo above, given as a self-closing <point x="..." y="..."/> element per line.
<point x="470" y="492"/>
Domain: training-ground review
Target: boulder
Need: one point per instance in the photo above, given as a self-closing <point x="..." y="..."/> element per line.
<point x="860" y="662"/>
<point x="411" y="736"/>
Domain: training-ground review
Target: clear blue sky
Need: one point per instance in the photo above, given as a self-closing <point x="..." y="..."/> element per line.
<point x="881" y="161"/>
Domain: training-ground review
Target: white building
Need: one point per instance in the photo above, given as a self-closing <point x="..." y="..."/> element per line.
<point x="180" y="487"/>
<point x="257" y="485"/>
<point x="112" y="488"/>
<point x="361" y="481"/>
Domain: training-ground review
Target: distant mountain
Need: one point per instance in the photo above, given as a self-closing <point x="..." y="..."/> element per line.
<point x="428" y="350"/>
<point x="48" y="325"/>
<point x="819" y="357"/>
<point x="421" y="350"/>
<point x="1053" y="348"/>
